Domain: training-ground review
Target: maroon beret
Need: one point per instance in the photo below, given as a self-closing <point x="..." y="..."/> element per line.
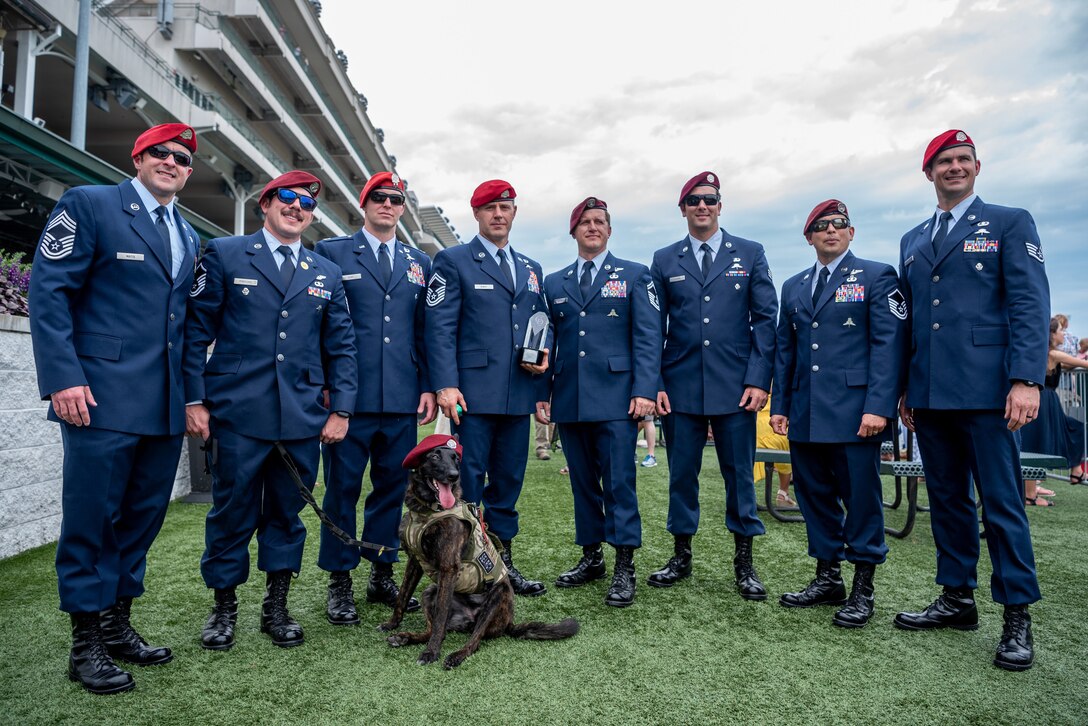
<point x="700" y="179"/>
<point x="489" y="191"/>
<point x="290" y="180"/>
<point x="950" y="138"/>
<point x="383" y="179"/>
<point x="587" y="203"/>
<point x="428" y="444"/>
<point x="823" y="209"/>
<point x="181" y="133"/>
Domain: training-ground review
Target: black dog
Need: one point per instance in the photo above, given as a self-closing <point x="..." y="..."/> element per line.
<point x="445" y="538"/>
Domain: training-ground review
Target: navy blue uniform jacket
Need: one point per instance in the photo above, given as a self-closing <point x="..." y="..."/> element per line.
<point x="607" y="348"/>
<point x="980" y="309"/>
<point x="842" y="358"/>
<point x="388" y="324"/>
<point x="719" y="334"/>
<point x="274" y="352"/>
<point x="105" y="312"/>
<point x="475" y="327"/>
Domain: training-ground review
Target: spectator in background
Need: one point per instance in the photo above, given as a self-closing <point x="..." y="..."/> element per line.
<point x="1052" y="432"/>
<point x="766" y="438"/>
<point x="1069" y="341"/>
<point x="545" y="434"/>
<point x="1082" y="349"/>
<point x="649" y="430"/>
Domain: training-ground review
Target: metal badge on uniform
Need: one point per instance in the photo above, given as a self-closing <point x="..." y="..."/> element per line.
<point x="257" y="246"/>
<point x="134" y="207"/>
<point x="318" y="283"/>
<point x="850" y="293"/>
<point x="898" y="304"/>
<point x="908" y="260"/>
<point x="245" y="290"/>
<point x="678" y="278"/>
<point x="854" y="275"/>
<point x="849" y="323"/>
<point x="613" y="276"/>
<point x="134" y="256"/>
<point x="318" y="292"/>
<point x="534" y="282"/>
<point x="612" y="313"/>
<point x="436" y="290"/>
<point x="559" y="301"/>
<point x="614" y="288"/>
<point x="483" y="286"/>
<point x="736" y="270"/>
<point x="352" y="276"/>
<point x="982" y="224"/>
<point x="303" y="265"/>
<point x="245" y="281"/>
<point x="415" y="274"/>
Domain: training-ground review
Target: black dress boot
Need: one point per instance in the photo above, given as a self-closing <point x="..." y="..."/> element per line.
<point x="122" y="640"/>
<point x="1016" y="651"/>
<point x="522" y="586"/>
<point x="275" y="620"/>
<point x="89" y="663"/>
<point x="381" y="588"/>
<point x="589" y="568"/>
<point x="859" y="608"/>
<point x="678" y="567"/>
<point x="954" y="608"/>
<point x="748" y="583"/>
<point x="622" y="592"/>
<point x="340" y="602"/>
<point x="827" y="589"/>
<point x="218" y="631"/>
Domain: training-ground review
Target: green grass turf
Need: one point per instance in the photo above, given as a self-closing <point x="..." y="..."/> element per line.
<point x="695" y="653"/>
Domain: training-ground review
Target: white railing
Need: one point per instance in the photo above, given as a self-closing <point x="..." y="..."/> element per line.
<point x="1073" y="394"/>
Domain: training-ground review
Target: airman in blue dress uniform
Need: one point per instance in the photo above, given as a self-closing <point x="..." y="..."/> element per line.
<point x="718" y="308"/>
<point x="979" y="302"/>
<point x="108" y="292"/>
<point x="283" y="337"/>
<point x="607" y="333"/>
<point x="386" y="286"/>
<point x="837" y="380"/>
<point x="479" y="301"/>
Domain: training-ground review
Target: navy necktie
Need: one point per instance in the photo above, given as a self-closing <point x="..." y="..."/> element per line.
<point x="821" y="283"/>
<point x="385" y="265"/>
<point x="505" y="269"/>
<point x="164" y="233"/>
<point x="287" y="267"/>
<point x="585" y="284"/>
<point x="708" y="260"/>
<point x="942" y="232"/>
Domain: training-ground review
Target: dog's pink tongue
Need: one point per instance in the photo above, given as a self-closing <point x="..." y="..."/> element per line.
<point x="445" y="496"/>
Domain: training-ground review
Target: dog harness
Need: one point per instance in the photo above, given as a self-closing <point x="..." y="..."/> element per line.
<point x="481" y="565"/>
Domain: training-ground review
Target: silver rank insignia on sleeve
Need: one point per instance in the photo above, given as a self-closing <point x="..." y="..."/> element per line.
<point x="651" y="292"/>
<point x="60" y="237"/>
<point x="436" y="290"/>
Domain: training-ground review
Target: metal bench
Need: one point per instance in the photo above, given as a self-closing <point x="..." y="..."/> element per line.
<point x="1032" y="466"/>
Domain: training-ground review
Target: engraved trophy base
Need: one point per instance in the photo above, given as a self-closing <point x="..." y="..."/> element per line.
<point x="532" y="357"/>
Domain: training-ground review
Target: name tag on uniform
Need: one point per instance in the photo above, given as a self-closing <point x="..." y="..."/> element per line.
<point x="678" y="278"/>
<point x="353" y="276"/>
<point x="559" y="301"/>
<point x="245" y="281"/>
<point x="484" y="287"/>
<point x="908" y="260"/>
<point x="135" y="256"/>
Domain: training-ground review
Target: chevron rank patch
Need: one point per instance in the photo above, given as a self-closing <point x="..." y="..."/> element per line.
<point x="436" y="290"/>
<point x="898" y="304"/>
<point x="1035" y="251"/>
<point x="651" y="292"/>
<point x="200" y="279"/>
<point x="60" y="237"/>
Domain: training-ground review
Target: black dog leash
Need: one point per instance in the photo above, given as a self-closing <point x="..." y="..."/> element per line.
<point x="308" y="496"/>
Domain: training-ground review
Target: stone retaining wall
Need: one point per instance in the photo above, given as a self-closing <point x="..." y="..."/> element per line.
<point x="30" y="449"/>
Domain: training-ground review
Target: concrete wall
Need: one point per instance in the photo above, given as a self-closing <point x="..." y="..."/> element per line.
<point x="30" y="449"/>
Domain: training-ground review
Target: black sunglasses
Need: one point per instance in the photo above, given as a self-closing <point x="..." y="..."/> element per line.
<point x="397" y="200"/>
<point x="288" y="197"/>
<point x="837" y="223"/>
<point x="692" y="200"/>
<point x="161" y="152"/>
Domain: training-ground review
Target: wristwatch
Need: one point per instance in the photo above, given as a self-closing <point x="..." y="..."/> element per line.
<point x="343" y="414"/>
<point x="1026" y="382"/>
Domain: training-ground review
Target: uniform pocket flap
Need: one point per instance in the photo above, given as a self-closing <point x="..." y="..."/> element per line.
<point x="744" y="351"/>
<point x="472" y="359"/>
<point x="93" y="345"/>
<point x="857" y="378"/>
<point x="990" y="335"/>
<point x="619" y="363"/>
<point x="316" y="375"/>
<point x="223" y="363"/>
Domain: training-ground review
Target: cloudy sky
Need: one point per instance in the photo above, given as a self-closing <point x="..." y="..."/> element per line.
<point x="789" y="103"/>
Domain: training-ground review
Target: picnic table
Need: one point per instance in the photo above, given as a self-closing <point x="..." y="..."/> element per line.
<point x="906" y="473"/>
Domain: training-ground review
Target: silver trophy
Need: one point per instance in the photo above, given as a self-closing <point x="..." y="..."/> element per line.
<point x="532" y="350"/>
